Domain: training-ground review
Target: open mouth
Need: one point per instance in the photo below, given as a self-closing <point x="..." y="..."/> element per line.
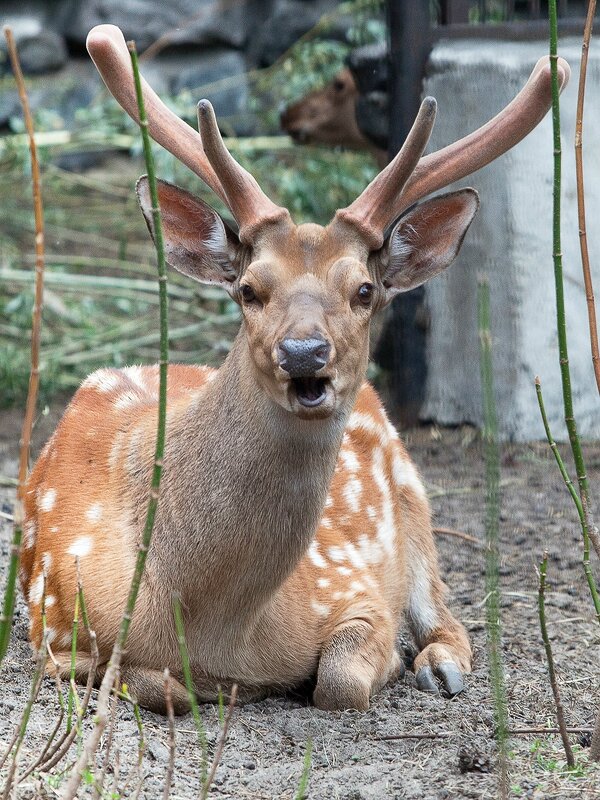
<point x="310" y="392"/>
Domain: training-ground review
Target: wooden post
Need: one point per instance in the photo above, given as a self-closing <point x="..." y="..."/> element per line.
<point x="402" y="346"/>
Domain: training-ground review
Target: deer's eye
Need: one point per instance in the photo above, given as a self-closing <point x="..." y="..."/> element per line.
<point x="365" y="294"/>
<point x="247" y="292"/>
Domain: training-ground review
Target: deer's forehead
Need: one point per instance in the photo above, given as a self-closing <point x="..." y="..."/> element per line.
<point x="309" y="253"/>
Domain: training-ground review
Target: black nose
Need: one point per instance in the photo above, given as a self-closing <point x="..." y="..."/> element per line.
<point x="301" y="358"/>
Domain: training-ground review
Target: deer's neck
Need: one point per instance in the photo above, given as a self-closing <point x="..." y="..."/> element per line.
<point x="244" y="487"/>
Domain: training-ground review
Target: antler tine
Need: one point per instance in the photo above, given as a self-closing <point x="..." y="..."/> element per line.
<point x="479" y="148"/>
<point x="107" y="48"/>
<point x="471" y="153"/>
<point x="249" y="204"/>
<point x="370" y="211"/>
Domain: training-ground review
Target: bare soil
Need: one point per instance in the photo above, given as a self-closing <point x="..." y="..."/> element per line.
<point x="351" y="758"/>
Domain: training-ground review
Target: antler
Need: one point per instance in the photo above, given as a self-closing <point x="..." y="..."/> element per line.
<point x="455" y="161"/>
<point x="238" y="189"/>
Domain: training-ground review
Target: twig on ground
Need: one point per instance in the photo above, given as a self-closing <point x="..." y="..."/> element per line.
<point x="585" y="257"/>
<point x="6" y="617"/>
<point x="101" y="772"/>
<point x="93" y="740"/>
<point x="459" y="535"/>
<point x="171" y="721"/>
<point x="220" y="743"/>
<point x="560" y="717"/>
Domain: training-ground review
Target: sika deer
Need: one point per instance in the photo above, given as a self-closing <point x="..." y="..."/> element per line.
<point x="291" y="520"/>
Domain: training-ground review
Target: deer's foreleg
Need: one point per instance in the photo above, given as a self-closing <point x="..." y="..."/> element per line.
<point x="445" y="652"/>
<point x="357" y="660"/>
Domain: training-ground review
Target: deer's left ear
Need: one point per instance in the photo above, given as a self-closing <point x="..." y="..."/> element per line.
<point x="426" y="240"/>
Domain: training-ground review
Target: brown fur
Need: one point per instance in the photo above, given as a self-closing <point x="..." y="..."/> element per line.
<point x="328" y="116"/>
<point x="249" y="476"/>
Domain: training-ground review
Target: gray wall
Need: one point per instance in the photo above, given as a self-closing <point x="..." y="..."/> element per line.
<point x="511" y="241"/>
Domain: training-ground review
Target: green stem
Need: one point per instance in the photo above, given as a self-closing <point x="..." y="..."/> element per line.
<point x="492" y="470"/>
<point x="576" y="499"/>
<point x="189" y="685"/>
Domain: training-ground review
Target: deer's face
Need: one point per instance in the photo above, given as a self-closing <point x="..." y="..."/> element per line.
<point x="308" y="293"/>
<point x="307" y="301"/>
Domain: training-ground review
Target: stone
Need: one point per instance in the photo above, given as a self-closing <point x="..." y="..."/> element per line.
<point x="220" y="75"/>
<point x="40" y="49"/>
<point x="510" y="241"/>
<point x="183" y="22"/>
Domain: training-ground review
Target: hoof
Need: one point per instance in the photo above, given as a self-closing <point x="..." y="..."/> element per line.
<point x="449" y="676"/>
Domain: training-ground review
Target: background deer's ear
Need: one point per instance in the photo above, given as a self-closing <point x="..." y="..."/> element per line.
<point x="197" y="241"/>
<point x="426" y="240"/>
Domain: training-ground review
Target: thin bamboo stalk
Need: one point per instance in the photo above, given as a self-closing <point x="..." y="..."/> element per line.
<point x="588" y="529"/>
<point x="8" y="606"/>
<point x="93" y="740"/>
<point x="171" y="721"/>
<point x="560" y="717"/>
<point x="587" y="568"/>
<point x="492" y="553"/>
<point x="189" y="685"/>
<point x="585" y="256"/>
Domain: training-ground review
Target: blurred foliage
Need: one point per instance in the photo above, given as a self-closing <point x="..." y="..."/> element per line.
<point x="101" y="305"/>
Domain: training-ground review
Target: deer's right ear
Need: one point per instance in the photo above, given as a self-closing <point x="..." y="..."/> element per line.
<point x="197" y="242"/>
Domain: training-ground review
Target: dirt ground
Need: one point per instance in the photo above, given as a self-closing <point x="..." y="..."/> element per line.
<point x="352" y="759"/>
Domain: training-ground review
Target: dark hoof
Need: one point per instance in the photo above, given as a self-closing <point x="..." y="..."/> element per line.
<point x="426" y="681"/>
<point x="451" y="678"/>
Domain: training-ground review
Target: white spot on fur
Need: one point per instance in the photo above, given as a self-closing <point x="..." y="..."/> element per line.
<point x="47" y="562"/>
<point x="114" y="456"/>
<point x="103" y="380"/>
<point x="323" y="583"/>
<point x="94" y="512"/>
<point x="366" y="422"/>
<point x="50" y="600"/>
<point x="81" y="547"/>
<point x="353" y="493"/>
<point x="326" y="522"/>
<point x="336" y="553"/>
<point x="357" y="587"/>
<point x="29" y="532"/>
<point x="420" y="607"/>
<point x="344" y="570"/>
<point x="386" y="532"/>
<point x="36" y="589"/>
<point x="320" y="608"/>
<point x="370" y="550"/>
<point x="47" y="500"/>
<point x="50" y="633"/>
<point x="328" y="501"/>
<point x="54" y="529"/>
<point x="371" y="513"/>
<point x="315" y="556"/>
<point x="135" y="375"/>
<point x="65" y="640"/>
<point x="405" y="474"/>
<point x="354" y="557"/>
<point x="349" y="459"/>
<point x="90" y="433"/>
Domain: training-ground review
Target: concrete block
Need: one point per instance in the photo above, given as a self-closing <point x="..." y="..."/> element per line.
<point x="511" y="242"/>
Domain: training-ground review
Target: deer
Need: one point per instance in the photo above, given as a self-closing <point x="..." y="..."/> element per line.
<point x="291" y="522"/>
<point x="328" y="116"/>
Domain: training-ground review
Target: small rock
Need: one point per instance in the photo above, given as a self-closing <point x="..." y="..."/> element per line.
<point x="471" y="759"/>
<point x="157" y="750"/>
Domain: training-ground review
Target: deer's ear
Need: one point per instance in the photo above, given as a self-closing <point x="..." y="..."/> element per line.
<point x="426" y="240"/>
<point x="197" y="242"/>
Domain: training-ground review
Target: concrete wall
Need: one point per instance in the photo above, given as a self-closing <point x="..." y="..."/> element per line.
<point x="511" y="241"/>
